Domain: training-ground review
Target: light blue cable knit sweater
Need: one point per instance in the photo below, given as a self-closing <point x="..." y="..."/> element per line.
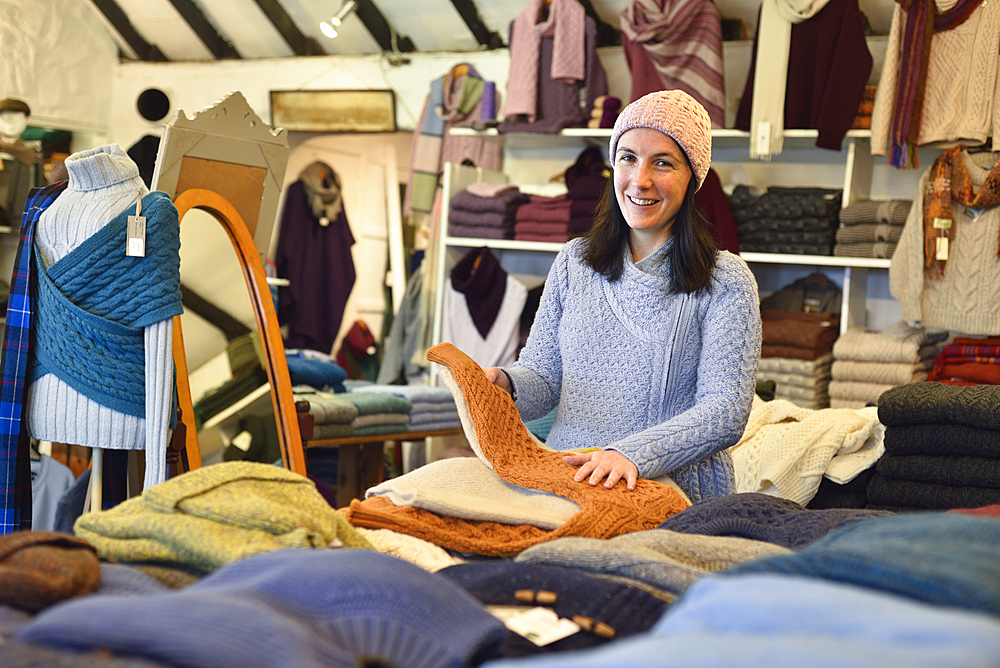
<point x="667" y="380"/>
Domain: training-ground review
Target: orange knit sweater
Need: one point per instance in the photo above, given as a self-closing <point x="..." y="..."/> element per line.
<point x="516" y="457"/>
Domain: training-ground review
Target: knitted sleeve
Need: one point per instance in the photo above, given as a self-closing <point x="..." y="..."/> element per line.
<point x="906" y="271"/>
<point x="537" y="374"/>
<point x="727" y="372"/>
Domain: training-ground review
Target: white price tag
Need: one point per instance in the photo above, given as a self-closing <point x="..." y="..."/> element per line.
<point x="541" y="626"/>
<point x="242" y="440"/>
<point x="135" y="240"/>
<point x="942" y="248"/>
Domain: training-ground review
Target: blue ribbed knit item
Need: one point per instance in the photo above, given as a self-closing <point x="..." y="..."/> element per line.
<point x="96" y="302"/>
<point x="289" y="608"/>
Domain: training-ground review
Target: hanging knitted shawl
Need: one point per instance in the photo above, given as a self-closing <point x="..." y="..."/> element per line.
<point x="922" y="20"/>
<point x="684" y="40"/>
<point x="566" y="22"/>
<point x="94" y="303"/>
<point x="949" y="183"/>
<point x="322" y="188"/>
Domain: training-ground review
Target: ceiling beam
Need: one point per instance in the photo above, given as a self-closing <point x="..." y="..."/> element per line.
<point x="470" y="14"/>
<point x="206" y="32"/>
<point x="119" y="21"/>
<point x="607" y="35"/>
<point x="380" y="29"/>
<point x="283" y="23"/>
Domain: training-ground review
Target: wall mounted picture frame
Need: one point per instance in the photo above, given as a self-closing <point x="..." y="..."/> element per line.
<point x="334" y="110"/>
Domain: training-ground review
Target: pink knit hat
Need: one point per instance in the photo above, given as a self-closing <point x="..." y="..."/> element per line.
<point x="674" y="113"/>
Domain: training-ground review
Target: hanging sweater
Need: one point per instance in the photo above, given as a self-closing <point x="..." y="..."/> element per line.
<point x="964" y="299"/>
<point x="666" y="380"/>
<point x="961" y="85"/>
<point x="103" y="182"/>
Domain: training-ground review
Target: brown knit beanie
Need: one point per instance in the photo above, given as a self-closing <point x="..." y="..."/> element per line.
<point x="674" y="113"/>
<point x="13" y="104"/>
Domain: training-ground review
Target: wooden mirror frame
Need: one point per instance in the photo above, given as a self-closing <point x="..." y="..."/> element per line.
<point x="289" y="437"/>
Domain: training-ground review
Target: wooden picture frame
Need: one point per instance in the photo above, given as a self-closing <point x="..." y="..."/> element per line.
<point x="334" y="111"/>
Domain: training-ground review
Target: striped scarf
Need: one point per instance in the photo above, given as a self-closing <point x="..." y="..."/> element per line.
<point x="922" y="20"/>
<point x="684" y="40"/>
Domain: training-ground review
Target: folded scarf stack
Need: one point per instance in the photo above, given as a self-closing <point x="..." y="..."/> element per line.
<point x="866" y="364"/>
<point x="942" y="448"/>
<point x="796" y="221"/>
<point x="802" y="382"/>
<point x="484" y="211"/>
<point x="968" y="361"/>
<point x="870" y="228"/>
<point x="432" y="408"/>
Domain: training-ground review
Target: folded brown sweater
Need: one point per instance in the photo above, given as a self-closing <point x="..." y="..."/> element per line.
<point x="517" y="458"/>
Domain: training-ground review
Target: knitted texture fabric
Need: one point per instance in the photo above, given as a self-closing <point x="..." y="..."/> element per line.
<point x="665" y="559"/>
<point x="899" y="343"/>
<point x="466" y="488"/>
<point x="944" y="470"/>
<point x="17" y="654"/>
<point x="417" y="551"/>
<point x="326" y="407"/>
<point x="625" y="609"/>
<point x="674" y="113"/>
<point x="215" y="515"/>
<point x="939" y="558"/>
<point x="790" y="448"/>
<point x="764" y="517"/>
<point x="884" y="373"/>
<point x="949" y="440"/>
<point x="40" y="568"/>
<point x="292" y="608"/>
<point x="516" y="456"/>
<point x="885" y="493"/>
<point x="889" y="212"/>
<point x="671" y="384"/>
<point x="936" y="403"/>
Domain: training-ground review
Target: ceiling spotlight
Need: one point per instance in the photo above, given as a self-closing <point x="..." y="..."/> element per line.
<point x="330" y="29"/>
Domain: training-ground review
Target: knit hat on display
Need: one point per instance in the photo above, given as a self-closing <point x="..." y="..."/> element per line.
<point x="13" y="104"/>
<point x="674" y="113"/>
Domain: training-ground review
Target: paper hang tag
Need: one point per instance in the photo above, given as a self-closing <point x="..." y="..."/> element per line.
<point x="242" y="440"/>
<point x="542" y="626"/>
<point x="942" y="223"/>
<point x="324" y="222"/>
<point x="941" y="251"/>
<point x="135" y="241"/>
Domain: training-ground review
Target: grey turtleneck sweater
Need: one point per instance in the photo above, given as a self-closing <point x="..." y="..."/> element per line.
<point x="667" y="380"/>
<point x="103" y="182"/>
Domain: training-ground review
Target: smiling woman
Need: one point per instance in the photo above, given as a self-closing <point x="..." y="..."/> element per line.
<point x="647" y="338"/>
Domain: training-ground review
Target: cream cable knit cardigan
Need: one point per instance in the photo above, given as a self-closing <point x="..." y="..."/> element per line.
<point x="103" y="182"/>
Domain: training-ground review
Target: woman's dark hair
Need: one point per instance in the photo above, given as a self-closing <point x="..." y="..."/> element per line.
<point x="692" y="257"/>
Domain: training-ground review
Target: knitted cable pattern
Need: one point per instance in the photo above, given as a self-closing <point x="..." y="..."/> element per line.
<point x="518" y="458"/>
<point x="936" y="403"/>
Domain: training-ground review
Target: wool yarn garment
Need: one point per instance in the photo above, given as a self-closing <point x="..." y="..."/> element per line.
<point x="936" y="403"/>
<point x="491" y="421"/>
<point x="942" y="470"/>
<point x="466" y="488"/>
<point x="17" y="654"/>
<point x="215" y="515"/>
<point x="291" y="608"/>
<point x="772" y="621"/>
<point x="911" y="495"/>
<point x="947" y="440"/>
<point x="626" y="610"/>
<point x="763" y="517"/>
<point x="417" y="551"/>
<point x="665" y="559"/>
<point x="901" y="342"/>
<point x="940" y="558"/>
<point x="789" y="449"/>
<point x="40" y="568"/>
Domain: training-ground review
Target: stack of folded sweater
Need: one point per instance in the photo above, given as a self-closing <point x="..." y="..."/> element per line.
<point x="968" y="361"/>
<point x="871" y="228"/>
<point x="546" y="219"/>
<point x="432" y="408"/>
<point x="942" y="448"/>
<point x="796" y="354"/>
<point x="332" y="415"/>
<point x="315" y="369"/>
<point x="866" y="364"/>
<point x="485" y="211"/>
<point x="800" y="381"/>
<point x="799" y="221"/>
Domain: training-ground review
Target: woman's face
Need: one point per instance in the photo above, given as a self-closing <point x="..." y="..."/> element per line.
<point x="651" y="180"/>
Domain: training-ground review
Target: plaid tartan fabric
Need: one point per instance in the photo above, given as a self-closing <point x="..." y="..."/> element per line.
<point x="15" y="467"/>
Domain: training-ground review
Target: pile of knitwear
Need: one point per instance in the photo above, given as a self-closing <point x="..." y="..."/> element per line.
<point x="942" y="448"/>
<point x="484" y="210"/>
<point x="866" y="364"/>
<point x="968" y="361"/>
<point x="431" y="408"/>
<point x="795" y="221"/>
<point x="316" y="369"/>
<point x="354" y="413"/>
<point x="569" y="215"/>
<point x="871" y="228"/>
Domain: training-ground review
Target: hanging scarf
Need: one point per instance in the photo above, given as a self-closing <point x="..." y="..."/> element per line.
<point x="949" y="183"/>
<point x="322" y="188"/>
<point x="774" y="40"/>
<point x="684" y="40"/>
<point x="567" y="24"/>
<point x="922" y="20"/>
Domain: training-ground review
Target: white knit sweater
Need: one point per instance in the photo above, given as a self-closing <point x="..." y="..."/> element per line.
<point x="966" y="298"/>
<point x="103" y="182"/>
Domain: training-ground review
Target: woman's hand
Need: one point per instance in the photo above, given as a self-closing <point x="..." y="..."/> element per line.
<point x="609" y="464"/>
<point x="498" y="378"/>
